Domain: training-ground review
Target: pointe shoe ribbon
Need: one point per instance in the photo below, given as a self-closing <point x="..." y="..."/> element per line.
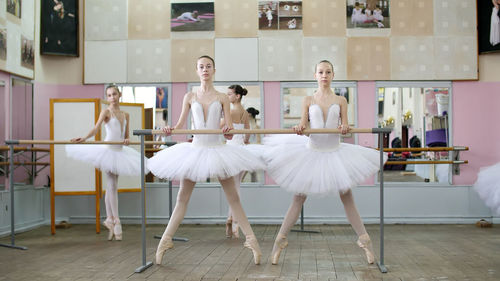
<point x="252" y="244"/>
<point x="165" y="244"/>
<point x="279" y="244"/>
<point x="365" y="243"/>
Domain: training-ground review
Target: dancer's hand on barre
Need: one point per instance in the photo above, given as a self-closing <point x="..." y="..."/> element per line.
<point x="167" y="130"/>
<point x="344" y="128"/>
<point x="298" y="129"/>
<point x="226" y="129"/>
<point x="126" y="141"/>
<point x="78" y="140"/>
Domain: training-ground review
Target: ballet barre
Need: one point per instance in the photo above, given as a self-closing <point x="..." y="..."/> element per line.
<point x="379" y="131"/>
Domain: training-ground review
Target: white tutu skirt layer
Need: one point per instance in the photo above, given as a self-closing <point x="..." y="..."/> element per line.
<point x="299" y="169"/>
<point x="197" y="162"/>
<point x="488" y="187"/>
<point x="113" y="159"/>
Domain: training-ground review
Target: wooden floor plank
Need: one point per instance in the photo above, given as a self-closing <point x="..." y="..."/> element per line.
<point x="412" y="252"/>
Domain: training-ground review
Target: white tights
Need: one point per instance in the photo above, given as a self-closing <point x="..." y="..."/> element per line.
<point x="111" y="198"/>
<point x="185" y="191"/>
<point x="349" y="206"/>
<point x="237" y="182"/>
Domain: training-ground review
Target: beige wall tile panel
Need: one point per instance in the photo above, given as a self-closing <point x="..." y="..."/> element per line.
<point x="148" y="19"/>
<point x="412" y="17"/>
<point x="324" y="17"/>
<point x="455" y="18"/>
<point x="236" y="18"/>
<point x="106" y="20"/>
<point x="237" y="59"/>
<point x="412" y="58"/>
<point x="148" y="61"/>
<point x="455" y="58"/>
<point x="280" y="59"/>
<point x="368" y="58"/>
<point x="184" y="54"/>
<point x="105" y="62"/>
<point x="315" y="49"/>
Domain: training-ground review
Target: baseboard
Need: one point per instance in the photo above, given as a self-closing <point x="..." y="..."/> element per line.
<point x="22" y="227"/>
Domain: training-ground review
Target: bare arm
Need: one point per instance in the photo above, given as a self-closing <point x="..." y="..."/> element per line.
<point x="226" y="107"/>
<point x="495" y="3"/>
<point x="126" y="139"/>
<point x="94" y="130"/>
<point x="343" y="115"/>
<point x="246" y="126"/>
<point x="186" y="105"/>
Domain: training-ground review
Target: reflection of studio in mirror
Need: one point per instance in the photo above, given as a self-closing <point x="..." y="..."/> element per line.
<point x="252" y="103"/>
<point x="155" y="99"/>
<point x="419" y="117"/>
<point x="294" y="93"/>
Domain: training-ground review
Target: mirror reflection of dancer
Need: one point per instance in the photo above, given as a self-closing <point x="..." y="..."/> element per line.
<point x="320" y="163"/>
<point x="206" y="157"/>
<point x="495" y="24"/>
<point x="239" y="116"/>
<point x="269" y="16"/>
<point x="193" y="16"/>
<point x="112" y="160"/>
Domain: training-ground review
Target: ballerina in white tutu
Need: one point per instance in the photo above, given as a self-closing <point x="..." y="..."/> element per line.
<point x="206" y="157"/>
<point x="320" y="163"/>
<point x="112" y="160"/>
<point x="240" y="119"/>
<point x="487" y="186"/>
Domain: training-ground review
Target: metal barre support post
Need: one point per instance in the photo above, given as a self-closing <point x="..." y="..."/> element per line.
<point x="145" y="265"/>
<point x="12" y="245"/>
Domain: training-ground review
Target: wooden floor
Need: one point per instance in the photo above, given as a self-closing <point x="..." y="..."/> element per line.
<point x="412" y="252"/>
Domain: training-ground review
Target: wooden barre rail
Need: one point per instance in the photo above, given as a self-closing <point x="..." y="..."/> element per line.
<point x="426" y="162"/>
<point x="86" y="142"/>
<point x="256" y="131"/>
<point x="411" y="149"/>
<point x="22" y="148"/>
<point x="26" y="163"/>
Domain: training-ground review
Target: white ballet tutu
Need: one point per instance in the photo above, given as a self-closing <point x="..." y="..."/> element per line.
<point x="199" y="162"/>
<point x="299" y="168"/>
<point x="487" y="186"/>
<point x="116" y="159"/>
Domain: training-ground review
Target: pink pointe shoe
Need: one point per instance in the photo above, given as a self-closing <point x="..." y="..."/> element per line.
<point x="165" y="244"/>
<point x="110" y="226"/>
<point x="229" y="227"/>
<point x="365" y="243"/>
<point x="279" y="244"/>
<point x="252" y="244"/>
<point x="117" y="229"/>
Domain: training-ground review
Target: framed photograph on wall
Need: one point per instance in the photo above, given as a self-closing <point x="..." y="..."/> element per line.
<point x="192" y="17"/>
<point x="368" y="14"/>
<point x="59" y="27"/>
<point x="488" y="25"/>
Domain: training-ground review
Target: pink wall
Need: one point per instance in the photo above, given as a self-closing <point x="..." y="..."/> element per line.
<point x="42" y="95"/>
<point x="178" y="92"/>
<point x="476" y="125"/>
<point x="272" y="105"/>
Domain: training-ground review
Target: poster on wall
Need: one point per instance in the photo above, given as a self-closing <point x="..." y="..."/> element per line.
<point x="192" y="17"/>
<point x="59" y="28"/>
<point x="27" y="53"/>
<point x="367" y="14"/>
<point x="14" y="8"/>
<point x="3" y="44"/>
<point x="488" y="25"/>
<point x="280" y="15"/>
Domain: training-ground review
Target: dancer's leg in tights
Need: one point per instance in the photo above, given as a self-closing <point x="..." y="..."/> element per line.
<point x="357" y="224"/>
<point x="234" y="202"/>
<point x="112" y="221"/>
<point x="232" y="223"/>
<point x="291" y="217"/>
<point x="185" y="191"/>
